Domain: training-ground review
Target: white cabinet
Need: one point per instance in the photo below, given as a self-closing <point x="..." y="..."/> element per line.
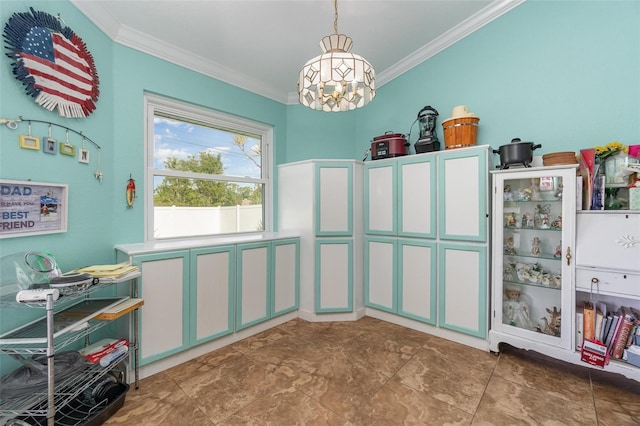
<point x="400" y="277"/>
<point x="267" y="277"/>
<point x="608" y="271"/>
<point x="213" y="285"/>
<point x="164" y="321"/>
<point x="533" y="251"/>
<point x="321" y="200"/>
<point x="201" y="294"/>
<point x="425" y="215"/>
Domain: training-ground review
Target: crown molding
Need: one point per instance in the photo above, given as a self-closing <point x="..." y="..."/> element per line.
<point x="139" y="41"/>
<point x="134" y="39"/>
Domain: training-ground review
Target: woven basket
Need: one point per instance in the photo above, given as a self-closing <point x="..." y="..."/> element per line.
<point x="558" y="158"/>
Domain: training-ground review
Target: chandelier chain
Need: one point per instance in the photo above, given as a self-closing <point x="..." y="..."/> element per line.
<point x="335" y="20"/>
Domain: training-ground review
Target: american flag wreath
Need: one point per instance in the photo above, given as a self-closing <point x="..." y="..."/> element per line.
<point x="52" y="62"/>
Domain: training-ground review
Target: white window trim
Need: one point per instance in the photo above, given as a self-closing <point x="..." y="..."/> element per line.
<point x="216" y="118"/>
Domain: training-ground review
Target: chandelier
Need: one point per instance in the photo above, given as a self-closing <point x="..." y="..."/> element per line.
<point x="337" y="80"/>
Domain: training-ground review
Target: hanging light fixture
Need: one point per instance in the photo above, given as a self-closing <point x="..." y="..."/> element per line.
<point x="336" y="80"/>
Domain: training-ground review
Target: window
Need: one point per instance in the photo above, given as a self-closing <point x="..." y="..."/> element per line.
<point x="207" y="173"/>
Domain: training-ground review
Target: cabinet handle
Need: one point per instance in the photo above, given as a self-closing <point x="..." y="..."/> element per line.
<point x="568" y="256"/>
<point x="594" y="281"/>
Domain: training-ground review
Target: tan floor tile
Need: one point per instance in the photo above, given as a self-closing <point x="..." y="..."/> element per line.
<point x="505" y="403"/>
<point x="231" y="386"/>
<point x="289" y="407"/>
<point x="563" y="380"/>
<point x="460" y="383"/>
<point x="397" y="404"/>
<point x="159" y="401"/>
<point x="617" y="399"/>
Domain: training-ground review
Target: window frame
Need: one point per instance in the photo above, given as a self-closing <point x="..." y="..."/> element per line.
<point x="208" y="116"/>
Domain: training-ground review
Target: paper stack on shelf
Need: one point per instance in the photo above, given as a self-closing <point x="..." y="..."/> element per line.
<point x="111" y="273"/>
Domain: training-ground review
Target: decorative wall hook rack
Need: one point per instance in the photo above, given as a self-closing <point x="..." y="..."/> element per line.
<point x="13" y="125"/>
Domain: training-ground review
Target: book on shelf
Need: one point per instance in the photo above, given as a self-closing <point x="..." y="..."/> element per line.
<point x="579" y="326"/>
<point x="601" y="312"/>
<point x="589" y="316"/>
<point x="110" y="273"/>
<point x="619" y="342"/>
<point x="605" y="327"/>
<point x="613" y="329"/>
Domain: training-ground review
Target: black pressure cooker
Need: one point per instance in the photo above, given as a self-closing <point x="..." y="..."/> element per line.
<point x="516" y="152"/>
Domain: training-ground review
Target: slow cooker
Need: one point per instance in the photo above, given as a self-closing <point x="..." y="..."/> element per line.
<point x="389" y="145"/>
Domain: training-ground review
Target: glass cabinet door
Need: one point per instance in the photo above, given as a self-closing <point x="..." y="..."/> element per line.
<point x="533" y="228"/>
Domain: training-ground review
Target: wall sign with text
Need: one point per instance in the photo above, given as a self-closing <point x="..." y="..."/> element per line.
<point x="32" y="208"/>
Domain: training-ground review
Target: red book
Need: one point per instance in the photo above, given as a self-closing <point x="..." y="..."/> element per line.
<point x="619" y="342"/>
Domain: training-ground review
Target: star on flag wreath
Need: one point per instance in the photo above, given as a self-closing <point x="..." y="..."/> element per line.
<point x="52" y="62"/>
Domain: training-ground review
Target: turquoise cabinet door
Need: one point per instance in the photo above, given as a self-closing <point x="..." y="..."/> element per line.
<point x="463" y="194"/>
<point x="334" y="275"/>
<point x="380" y="288"/>
<point x="164" y="319"/>
<point x="212" y="293"/>
<point x="463" y="288"/>
<point x="334" y="199"/>
<point x="253" y="289"/>
<point x="380" y="198"/>
<point x="417" y="196"/>
<point x="285" y="276"/>
<point x="417" y="285"/>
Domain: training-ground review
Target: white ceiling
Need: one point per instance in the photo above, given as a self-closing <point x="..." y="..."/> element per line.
<point x="260" y="45"/>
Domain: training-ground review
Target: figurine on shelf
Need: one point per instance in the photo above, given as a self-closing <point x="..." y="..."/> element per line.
<point x="544" y="221"/>
<point x="557" y="223"/>
<point x="508" y="193"/>
<point x="541" y="211"/>
<point x="508" y="272"/>
<point x="535" y="247"/>
<point x="510" y="220"/>
<point x="552" y="325"/>
<point x="556" y="280"/>
<point x="524" y="194"/>
<point x="527" y="220"/>
<point x="509" y="246"/>
<point x="535" y="190"/>
<point x="558" y="193"/>
<point x="515" y="312"/>
<point x="558" y="253"/>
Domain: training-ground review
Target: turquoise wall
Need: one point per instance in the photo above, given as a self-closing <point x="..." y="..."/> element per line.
<point x="561" y="73"/>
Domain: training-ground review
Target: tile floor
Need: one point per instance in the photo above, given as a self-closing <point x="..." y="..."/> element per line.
<point x="371" y="372"/>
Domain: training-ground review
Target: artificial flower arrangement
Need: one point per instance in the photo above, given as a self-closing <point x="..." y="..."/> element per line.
<point x="610" y="149"/>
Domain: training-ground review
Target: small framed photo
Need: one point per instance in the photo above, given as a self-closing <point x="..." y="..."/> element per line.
<point x="68" y="149"/>
<point x="83" y="156"/>
<point x="49" y="145"/>
<point x="29" y="142"/>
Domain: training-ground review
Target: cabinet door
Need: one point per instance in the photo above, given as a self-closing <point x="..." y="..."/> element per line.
<point x="533" y="254"/>
<point x="380" y="198"/>
<point x="253" y="289"/>
<point x="380" y="289"/>
<point x="417" y="196"/>
<point x="285" y="276"/>
<point x="164" y="320"/>
<point x="334" y="275"/>
<point x="463" y="193"/>
<point x="334" y="199"/>
<point x="417" y="280"/>
<point x="463" y="288"/>
<point x="212" y="302"/>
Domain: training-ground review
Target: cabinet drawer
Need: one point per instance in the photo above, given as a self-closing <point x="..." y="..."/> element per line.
<point x="609" y="241"/>
<point x="614" y="283"/>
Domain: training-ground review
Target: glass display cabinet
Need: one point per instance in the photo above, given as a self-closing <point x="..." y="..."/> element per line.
<point x="532" y="263"/>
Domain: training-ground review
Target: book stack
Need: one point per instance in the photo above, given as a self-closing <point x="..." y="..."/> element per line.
<point x="616" y="330"/>
<point x="111" y="273"/>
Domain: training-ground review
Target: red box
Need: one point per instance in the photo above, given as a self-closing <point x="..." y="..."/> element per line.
<point x="595" y="353"/>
